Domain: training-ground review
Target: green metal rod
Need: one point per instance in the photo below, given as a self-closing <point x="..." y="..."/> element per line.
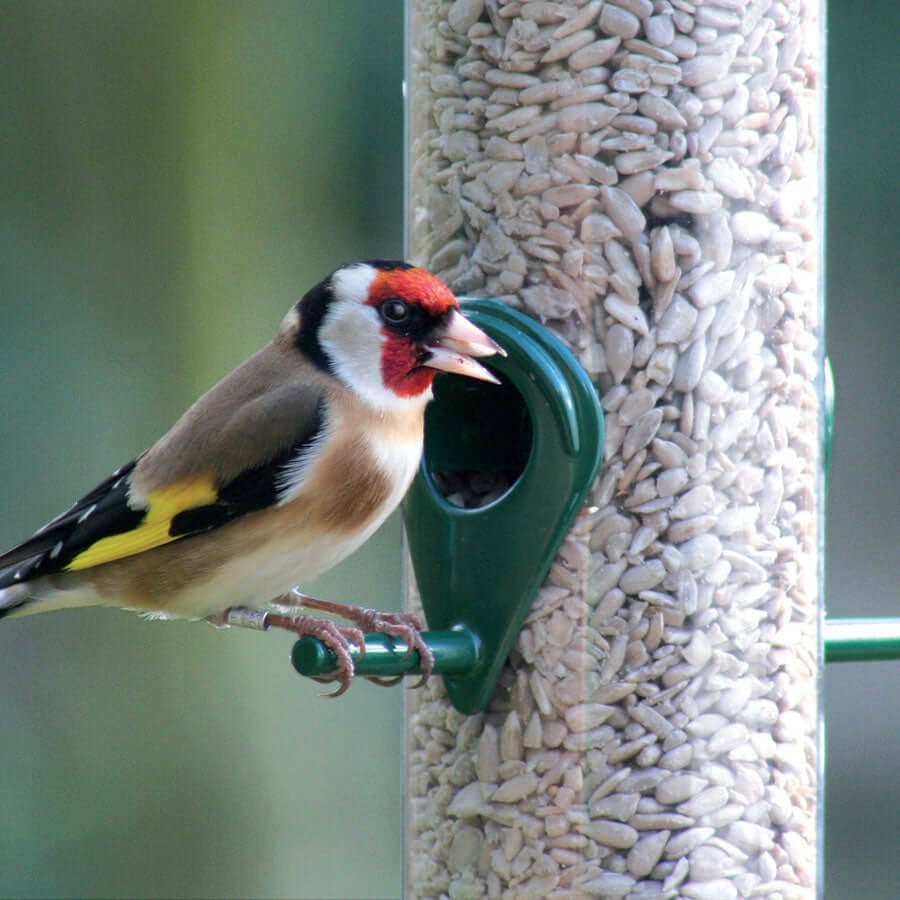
<point x="456" y="652"/>
<point x="862" y="639"/>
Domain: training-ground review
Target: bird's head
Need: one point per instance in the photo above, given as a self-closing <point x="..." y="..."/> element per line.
<point x="386" y="328"/>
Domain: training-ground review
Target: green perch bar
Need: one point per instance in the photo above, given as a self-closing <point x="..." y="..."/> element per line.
<point x="458" y="652"/>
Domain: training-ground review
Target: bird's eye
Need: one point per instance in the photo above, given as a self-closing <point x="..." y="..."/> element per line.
<point x="394" y="312"/>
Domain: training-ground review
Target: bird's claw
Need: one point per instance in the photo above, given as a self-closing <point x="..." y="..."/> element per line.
<point x="384" y="682"/>
<point x="336" y="638"/>
<point x="405" y="626"/>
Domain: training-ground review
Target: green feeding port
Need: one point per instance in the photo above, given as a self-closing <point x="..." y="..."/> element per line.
<point x="478" y="436"/>
<point x="506" y="470"/>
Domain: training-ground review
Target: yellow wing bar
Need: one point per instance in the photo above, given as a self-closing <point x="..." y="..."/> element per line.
<point x="153" y="531"/>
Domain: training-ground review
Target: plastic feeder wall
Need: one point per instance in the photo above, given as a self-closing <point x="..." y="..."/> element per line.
<point x="642" y="178"/>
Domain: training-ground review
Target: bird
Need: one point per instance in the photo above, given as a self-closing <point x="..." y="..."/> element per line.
<point x="276" y="474"/>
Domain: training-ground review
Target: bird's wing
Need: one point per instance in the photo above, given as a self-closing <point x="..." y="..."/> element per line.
<point x="106" y="496"/>
<point x="148" y="503"/>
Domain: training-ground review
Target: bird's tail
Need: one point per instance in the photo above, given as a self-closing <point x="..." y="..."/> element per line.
<point x="15" y="600"/>
<point x="43" y="595"/>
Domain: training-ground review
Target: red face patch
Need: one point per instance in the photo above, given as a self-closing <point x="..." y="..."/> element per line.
<point x="414" y="286"/>
<point x="402" y="371"/>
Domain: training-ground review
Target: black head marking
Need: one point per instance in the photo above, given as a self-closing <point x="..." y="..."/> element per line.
<point x="386" y="265"/>
<point x="414" y="323"/>
<point x="311" y="310"/>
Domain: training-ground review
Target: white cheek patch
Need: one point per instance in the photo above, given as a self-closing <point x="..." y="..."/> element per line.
<point x="351" y="335"/>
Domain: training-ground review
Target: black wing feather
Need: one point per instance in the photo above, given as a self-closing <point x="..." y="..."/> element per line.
<point x="251" y="491"/>
<point x="105" y="511"/>
<point x="101" y="513"/>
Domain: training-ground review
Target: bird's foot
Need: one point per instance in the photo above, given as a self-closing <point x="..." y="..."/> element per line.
<point x="334" y="637"/>
<point x="405" y="626"/>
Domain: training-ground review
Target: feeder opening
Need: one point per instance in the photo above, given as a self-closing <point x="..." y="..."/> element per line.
<point x="478" y="439"/>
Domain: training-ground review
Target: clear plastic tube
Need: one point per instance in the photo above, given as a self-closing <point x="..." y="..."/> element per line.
<point x="643" y="177"/>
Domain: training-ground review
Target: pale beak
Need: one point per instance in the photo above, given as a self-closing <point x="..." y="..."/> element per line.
<point x="456" y="347"/>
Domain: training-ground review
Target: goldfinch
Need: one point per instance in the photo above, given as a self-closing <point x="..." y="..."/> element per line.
<point x="273" y="476"/>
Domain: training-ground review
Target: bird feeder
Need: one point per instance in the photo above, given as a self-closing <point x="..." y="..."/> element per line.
<point x="641" y="178"/>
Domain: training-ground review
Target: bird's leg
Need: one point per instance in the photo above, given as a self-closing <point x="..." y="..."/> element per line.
<point x="335" y="638"/>
<point x="405" y="626"/>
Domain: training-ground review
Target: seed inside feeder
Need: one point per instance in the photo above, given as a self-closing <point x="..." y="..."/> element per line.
<point x="640" y="176"/>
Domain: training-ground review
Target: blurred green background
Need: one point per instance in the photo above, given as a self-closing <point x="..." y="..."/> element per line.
<point x="173" y="175"/>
